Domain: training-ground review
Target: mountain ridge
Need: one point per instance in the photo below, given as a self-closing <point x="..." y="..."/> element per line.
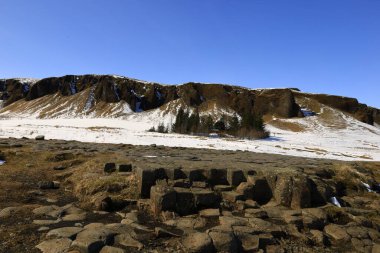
<point x="103" y="91"/>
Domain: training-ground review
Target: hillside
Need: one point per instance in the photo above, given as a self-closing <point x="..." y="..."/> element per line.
<point x="116" y="109"/>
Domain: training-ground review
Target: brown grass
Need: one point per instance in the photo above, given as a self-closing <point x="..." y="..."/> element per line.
<point x="288" y="126"/>
<point x="90" y="179"/>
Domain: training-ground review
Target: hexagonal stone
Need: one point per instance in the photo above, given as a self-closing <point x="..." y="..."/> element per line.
<point x="65" y="232"/>
<point x="249" y="242"/>
<point x="198" y="243"/>
<point x="317" y="237"/>
<point x="110" y="249"/>
<point x="233" y="221"/>
<point x="128" y="241"/>
<point x="45" y="210"/>
<point x="55" y="245"/>
<point x="337" y="233"/>
<point x="92" y="240"/>
<point x="209" y="212"/>
<point x="9" y="211"/>
<point x="224" y="241"/>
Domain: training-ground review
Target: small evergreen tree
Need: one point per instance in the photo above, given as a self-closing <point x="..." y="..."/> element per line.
<point x="178" y="121"/>
<point x="220" y="125"/>
<point x="209" y="124"/>
<point x="161" y="128"/>
<point x="233" y="124"/>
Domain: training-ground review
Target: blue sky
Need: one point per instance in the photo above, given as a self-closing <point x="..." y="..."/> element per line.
<point x="324" y="46"/>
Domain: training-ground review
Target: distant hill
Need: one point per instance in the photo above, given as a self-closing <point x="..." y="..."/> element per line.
<point x="113" y="96"/>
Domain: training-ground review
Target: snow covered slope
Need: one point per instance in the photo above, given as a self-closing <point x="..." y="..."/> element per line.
<point x="116" y="109"/>
<point x="344" y="138"/>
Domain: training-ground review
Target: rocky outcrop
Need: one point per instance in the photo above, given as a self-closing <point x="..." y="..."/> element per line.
<point x="12" y="90"/>
<point x="361" y="112"/>
<point x="192" y="190"/>
<point x="278" y="102"/>
<point x="143" y="96"/>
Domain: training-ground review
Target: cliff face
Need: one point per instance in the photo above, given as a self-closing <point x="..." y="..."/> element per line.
<point x="143" y="96"/>
<point x="12" y="90"/>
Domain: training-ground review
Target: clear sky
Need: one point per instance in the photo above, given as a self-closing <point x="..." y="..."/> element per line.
<point x="325" y="46"/>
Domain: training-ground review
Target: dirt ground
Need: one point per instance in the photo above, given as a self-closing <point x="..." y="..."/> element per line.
<point x="29" y="162"/>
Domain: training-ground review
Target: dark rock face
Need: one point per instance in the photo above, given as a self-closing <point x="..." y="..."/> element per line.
<point x="143" y="96"/>
<point x="12" y="90"/>
<point x="375" y="115"/>
<point x="278" y="102"/>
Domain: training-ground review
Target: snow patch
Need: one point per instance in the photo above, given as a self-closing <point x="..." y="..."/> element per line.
<point x="27" y="80"/>
<point x="307" y="112"/>
<point x="158" y="95"/>
<point x="138" y="107"/>
<point x="115" y="90"/>
<point x="367" y="186"/>
<point x="91" y="99"/>
<point x="73" y="88"/>
<point x="335" y="201"/>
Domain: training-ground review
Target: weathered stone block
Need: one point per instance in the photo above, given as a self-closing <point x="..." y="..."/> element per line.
<point x="245" y="189"/>
<point x="160" y="173"/>
<point x="185" y="201"/>
<point x="217" y="176"/>
<point x="175" y="174"/>
<point x="183" y="183"/>
<point x="222" y="188"/>
<point x="92" y="240"/>
<point x="40" y="138"/>
<point x="292" y="191"/>
<point x="232" y="196"/>
<point x="205" y="198"/>
<point x="198" y="243"/>
<point x="146" y="179"/>
<point x="109" y="167"/>
<point x="163" y="198"/>
<point x="262" y="193"/>
<point x="46" y="185"/>
<point x="224" y="241"/>
<point x="235" y="177"/>
<point x="195" y="174"/>
<point x="124" y="167"/>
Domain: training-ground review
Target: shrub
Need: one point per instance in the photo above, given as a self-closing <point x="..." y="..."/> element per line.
<point x="162" y="129"/>
<point x="251" y="125"/>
